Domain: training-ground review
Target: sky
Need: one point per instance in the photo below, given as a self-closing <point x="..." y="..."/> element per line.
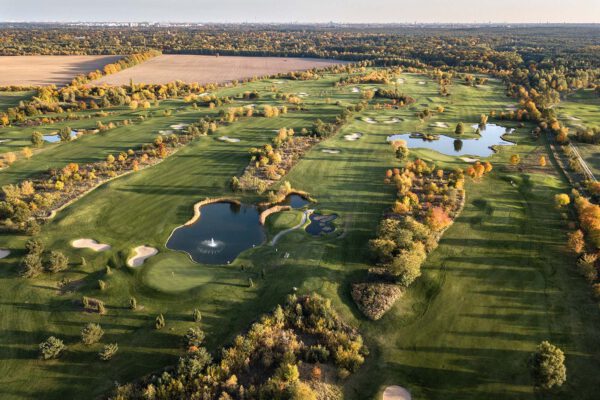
<point x="350" y="11"/>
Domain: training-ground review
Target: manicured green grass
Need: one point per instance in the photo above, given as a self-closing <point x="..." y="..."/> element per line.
<point x="580" y="109"/>
<point x="500" y="281"/>
<point x="12" y="99"/>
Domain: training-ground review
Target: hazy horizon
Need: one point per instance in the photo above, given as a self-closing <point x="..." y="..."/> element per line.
<point x="310" y="11"/>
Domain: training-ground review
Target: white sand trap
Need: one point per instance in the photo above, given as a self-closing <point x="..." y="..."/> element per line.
<point x="396" y="393"/>
<point x="369" y="120"/>
<point x="302" y="94"/>
<point x="204" y="94"/>
<point x="510" y="108"/>
<point x="250" y="106"/>
<point x="141" y="254"/>
<point x="90" y="244"/>
<point x="392" y="121"/>
<point x="166" y="132"/>
<point x="421" y="82"/>
<point x="278" y="82"/>
<point x="353" y="137"/>
<point x="330" y="151"/>
<point x="4" y="253"/>
<point x="439" y="125"/>
<point x="179" y="127"/>
<point x="400" y="81"/>
<point x="4" y="140"/>
<point x="573" y="118"/>
<point x="469" y="160"/>
<point x="355" y="90"/>
<point x="228" y="139"/>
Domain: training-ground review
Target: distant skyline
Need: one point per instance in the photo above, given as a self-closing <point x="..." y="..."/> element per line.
<point x="313" y="11"/>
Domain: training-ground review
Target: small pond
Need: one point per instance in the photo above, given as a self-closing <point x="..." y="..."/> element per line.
<point x="222" y="232"/>
<point x="295" y="201"/>
<point x="491" y="135"/>
<point x="321" y="224"/>
<point x="56" y="137"/>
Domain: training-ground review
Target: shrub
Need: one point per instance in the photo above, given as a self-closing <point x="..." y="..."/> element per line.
<point x="109" y="351"/>
<point x="196" y="315"/>
<point x="460" y="128"/>
<point x="549" y="366"/>
<point x="317" y="354"/>
<point x="31" y="266"/>
<point x="562" y="200"/>
<point x="91" y="333"/>
<point x="101" y="284"/>
<point x="37" y="139"/>
<point x="51" y="348"/>
<point x="133" y="303"/>
<point x="159" y="322"/>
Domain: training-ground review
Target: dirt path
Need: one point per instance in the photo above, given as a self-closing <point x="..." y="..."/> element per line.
<point x="302" y="222"/>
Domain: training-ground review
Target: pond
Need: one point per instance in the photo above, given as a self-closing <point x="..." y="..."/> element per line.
<point x="295" y="201"/>
<point x="491" y="135"/>
<point x="222" y="232"/>
<point x="321" y="224"/>
<point x="56" y="137"/>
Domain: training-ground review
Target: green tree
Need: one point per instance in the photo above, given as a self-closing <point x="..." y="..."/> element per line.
<point x="159" y="322"/>
<point x="37" y="139"/>
<point x="58" y="261"/>
<point x="51" y="348"/>
<point x="196" y="315"/>
<point x="91" y="333"/>
<point x="109" y="351"/>
<point x="460" y="128"/>
<point x="194" y="337"/>
<point x="133" y="303"/>
<point x="65" y="134"/>
<point x="549" y="366"/>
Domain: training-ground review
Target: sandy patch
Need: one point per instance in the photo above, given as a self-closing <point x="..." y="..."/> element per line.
<point x="400" y="81"/>
<point x="48" y="70"/>
<point x="330" y="151"/>
<point x="352" y="137"/>
<point x="439" y="125"/>
<point x="179" y="127"/>
<point x="4" y="253"/>
<point x="90" y="244"/>
<point x="392" y="121"/>
<point x="210" y="69"/>
<point x="369" y="120"/>
<point x="355" y="90"/>
<point x="510" y="108"/>
<point x="469" y="159"/>
<point x="572" y="118"/>
<point x="228" y="139"/>
<point x="302" y="94"/>
<point x="421" y="82"/>
<point x="4" y="140"/>
<point x="141" y="254"/>
<point x="167" y="132"/>
<point x="396" y="393"/>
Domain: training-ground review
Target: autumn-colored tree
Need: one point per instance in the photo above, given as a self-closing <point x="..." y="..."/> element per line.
<point x="561" y="200"/>
<point x="9" y="158"/>
<point x="437" y="219"/>
<point x="26" y="153"/>
<point x="515" y="159"/>
<point x="576" y="241"/>
<point x="542" y="161"/>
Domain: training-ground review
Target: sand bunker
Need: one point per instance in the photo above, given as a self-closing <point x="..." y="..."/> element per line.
<point x="396" y="393"/>
<point x="4" y="140"/>
<point x="400" y="81"/>
<point x="469" y="159"/>
<point x="179" y="127"/>
<point x="439" y="125"/>
<point x="141" y="254"/>
<point x="421" y="82"/>
<point x="166" y="132"/>
<point x="278" y="82"/>
<point x="392" y="121"/>
<point x="302" y="94"/>
<point x="369" y="120"/>
<point x="355" y="90"/>
<point x="228" y="139"/>
<point x="4" y="253"/>
<point x="573" y="118"/>
<point x="330" y="151"/>
<point x="352" y="137"/>
<point x="90" y="244"/>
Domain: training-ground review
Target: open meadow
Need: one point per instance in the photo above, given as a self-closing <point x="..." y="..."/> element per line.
<point x="501" y="280"/>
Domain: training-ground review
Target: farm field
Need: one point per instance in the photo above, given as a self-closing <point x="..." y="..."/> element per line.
<point x="48" y="70"/>
<point x="500" y="281"/>
<point x="210" y="69"/>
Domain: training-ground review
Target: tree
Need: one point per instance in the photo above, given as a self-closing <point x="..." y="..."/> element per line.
<point x="65" y="134"/>
<point x="576" y="241"/>
<point x="133" y="303"/>
<point x="515" y="159"/>
<point x="460" y="128"/>
<point x="26" y="153"/>
<point x="437" y="219"/>
<point x="108" y="351"/>
<point x="31" y="266"/>
<point x="542" y="161"/>
<point x="37" y="139"/>
<point x="101" y="284"/>
<point x="561" y="200"/>
<point x="196" y="315"/>
<point x="159" y="323"/>
<point x="91" y="333"/>
<point x="193" y="338"/>
<point x="51" y="348"/>
<point x="10" y="158"/>
<point x="549" y="366"/>
<point x="58" y="261"/>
